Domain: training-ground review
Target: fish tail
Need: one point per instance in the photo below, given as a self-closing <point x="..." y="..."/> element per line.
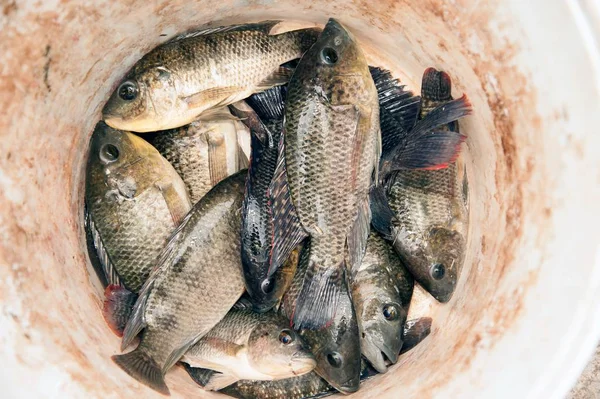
<point x="118" y="306"/>
<point x="143" y="368"/>
<point x="436" y="85"/>
<point x="318" y="299"/>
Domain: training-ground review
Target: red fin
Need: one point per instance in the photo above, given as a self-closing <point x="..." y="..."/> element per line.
<point x="118" y="305"/>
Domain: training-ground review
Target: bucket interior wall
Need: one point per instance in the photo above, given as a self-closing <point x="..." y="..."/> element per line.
<point x="524" y="317"/>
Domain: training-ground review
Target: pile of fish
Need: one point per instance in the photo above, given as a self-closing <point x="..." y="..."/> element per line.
<point x="269" y="226"/>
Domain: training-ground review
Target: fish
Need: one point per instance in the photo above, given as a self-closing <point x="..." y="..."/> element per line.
<point x="246" y="345"/>
<point x="337" y="345"/>
<point x="188" y="76"/>
<point x="204" y="152"/>
<point x="381" y="292"/>
<point x="196" y="281"/>
<point x="410" y="142"/>
<point x="328" y="156"/>
<point x="265" y="125"/>
<point x="134" y="200"/>
<point x="425" y="212"/>
<point x="309" y="385"/>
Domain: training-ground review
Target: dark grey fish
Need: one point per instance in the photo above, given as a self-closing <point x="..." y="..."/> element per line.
<point x="336" y="346"/>
<point x="381" y="293"/>
<point x="264" y="289"/>
<point x="425" y="212"/>
<point x="332" y="147"/>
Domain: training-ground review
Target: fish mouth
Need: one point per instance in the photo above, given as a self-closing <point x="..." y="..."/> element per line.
<point x="391" y="354"/>
<point x="302" y="363"/>
<point x="374" y="355"/>
<point x="349" y="386"/>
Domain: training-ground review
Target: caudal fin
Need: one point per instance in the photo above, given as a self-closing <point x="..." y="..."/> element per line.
<point x="143" y="368"/>
<point x="269" y="104"/>
<point x="428" y="146"/>
<point x="118" y="307"/>
<point x="318" y="299"/>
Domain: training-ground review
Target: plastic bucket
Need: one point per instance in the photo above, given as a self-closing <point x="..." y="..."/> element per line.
<point x="524" y="319"/>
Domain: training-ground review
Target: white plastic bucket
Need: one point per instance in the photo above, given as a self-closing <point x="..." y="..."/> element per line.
<point x="524" y="318"/>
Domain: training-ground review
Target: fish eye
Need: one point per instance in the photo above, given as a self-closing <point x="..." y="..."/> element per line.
<point x="437" y="271"/>
<point x="334" y="359"/>
<point x="128" y="90"/>
<point x="267" y="286"/>
<point x="109" y="153"/>
<point x="329" y="56"/>
<point x="285" y="337"/>
<point x="390" y="312"/>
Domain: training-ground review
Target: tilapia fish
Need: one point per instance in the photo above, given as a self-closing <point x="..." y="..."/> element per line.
<point x="331" y="149"/>
<point x="429" y="208"/>
<point x="250" y="346"/>
<point x="204" y="152"/>
<point x="134" y="201"/>
<point x="308" y="385"/>
<point x="183" y="78"/>
<point x="257" y="214"/>
<point x="198" y="278"/>
<point x="336" y="346"/>
<point x="381" y="293"/>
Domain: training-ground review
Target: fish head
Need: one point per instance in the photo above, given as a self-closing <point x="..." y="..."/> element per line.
<point x="119" y="160"/>
<point x="439" y="260"/>
<point x="278" y="351"/>
<point x="337" y="68"/>
<point x="143" y="102"/>
<point x="337" y="350"/>
<point x="381" y="318"/>
<point x="265" y="292"/>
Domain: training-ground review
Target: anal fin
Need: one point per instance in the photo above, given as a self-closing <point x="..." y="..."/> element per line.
<point x="219" y="381"/>
<point x="280" y="76"/>
<point x="318" y="299"/>
<point x="199" y="375"/>
<point x="356" y="241"/>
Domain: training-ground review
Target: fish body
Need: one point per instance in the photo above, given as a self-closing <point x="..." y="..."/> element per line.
<point x="309" y="385"/>
<point x="331" y="149"/>
<point x="251" y="346"/>
<point x="203" y="153"/>
<point x="430" y="208"/>
<point x="134" y="200"/>
<point x="265" y="125"/>
<point x="381" y="293"/>
<point x="185" y="77"/>
<point x="197" y="280"/>
<point x="336" y="347"/>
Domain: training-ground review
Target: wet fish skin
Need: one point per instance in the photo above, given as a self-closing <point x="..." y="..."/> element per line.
<point x="251" y="346"/>
<point x="309" y="385"/>
<point x="381" y="293"/>
<point x="332" y="146"/>
<point x="336" y="346"/>
<point x="187" y="76"/>
<point x="203" y="152"/>
<point x="134" y="200"/>
<point x="430" y="209"/>
<point x="197" y="280"/>
<point x="265" y="126"/>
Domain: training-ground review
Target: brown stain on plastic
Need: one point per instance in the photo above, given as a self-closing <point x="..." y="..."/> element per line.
<point x="35" y="79"/>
